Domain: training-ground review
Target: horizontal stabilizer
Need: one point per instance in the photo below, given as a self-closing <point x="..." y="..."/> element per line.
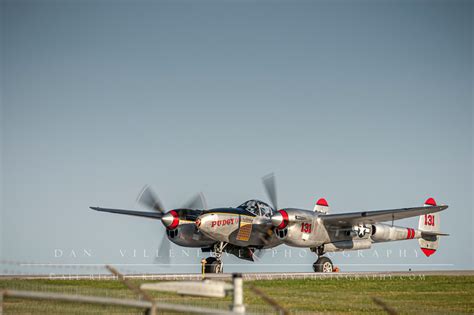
<point x="434" y="233"/>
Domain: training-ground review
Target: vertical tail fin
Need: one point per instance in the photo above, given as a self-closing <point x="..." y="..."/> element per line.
<point x="429" y="223"/>
<point x="321" y="206"/>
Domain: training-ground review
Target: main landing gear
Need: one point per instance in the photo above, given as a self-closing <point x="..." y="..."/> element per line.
<point x="323" y="264"/>
<point x="214" y="264"/>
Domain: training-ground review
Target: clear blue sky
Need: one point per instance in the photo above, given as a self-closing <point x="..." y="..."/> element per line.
<point x="367" y="103"/>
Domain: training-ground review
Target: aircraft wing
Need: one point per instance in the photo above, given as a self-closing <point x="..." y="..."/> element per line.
<point x="152" y="215"/>
<point x="369" y="217"/>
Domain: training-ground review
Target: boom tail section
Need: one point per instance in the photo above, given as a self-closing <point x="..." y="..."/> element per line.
<point x="427" y="233"/>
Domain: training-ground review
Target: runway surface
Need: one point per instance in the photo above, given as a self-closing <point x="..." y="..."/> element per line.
<point x="252" y="276"/>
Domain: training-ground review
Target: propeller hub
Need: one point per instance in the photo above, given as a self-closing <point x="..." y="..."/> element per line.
<point x="170" y="220"/>
<point x="280" y="219"/>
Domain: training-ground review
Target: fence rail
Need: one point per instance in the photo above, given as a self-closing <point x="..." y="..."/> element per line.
<point x="144" y="299"/>
<point x="147" y="305"/>
<point x="134" y="297"/>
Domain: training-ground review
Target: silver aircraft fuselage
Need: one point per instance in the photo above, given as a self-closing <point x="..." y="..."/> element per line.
<point x="238" y="227"/>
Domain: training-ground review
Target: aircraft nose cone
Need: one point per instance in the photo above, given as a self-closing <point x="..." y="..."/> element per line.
<point x="204" y="221"/>
<point x="170" y="220"/>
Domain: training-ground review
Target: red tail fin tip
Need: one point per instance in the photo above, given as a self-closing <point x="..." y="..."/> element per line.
<point x="322" y="202"/>
<point x="428" y="252"/>
<point x="430" y="201"/>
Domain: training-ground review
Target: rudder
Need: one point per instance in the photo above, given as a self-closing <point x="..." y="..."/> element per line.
<point x="429" y="223"/>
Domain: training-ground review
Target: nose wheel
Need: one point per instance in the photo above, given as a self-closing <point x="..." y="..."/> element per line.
<point x="323" y="264"/>
<point x="213" y="265"/>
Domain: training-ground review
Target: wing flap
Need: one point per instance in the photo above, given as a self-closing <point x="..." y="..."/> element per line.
<point x="151" y="215"/>
<point x="369" y="217"/>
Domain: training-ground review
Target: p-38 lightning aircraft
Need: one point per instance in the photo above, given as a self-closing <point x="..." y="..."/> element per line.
<point x="254" y="225"/>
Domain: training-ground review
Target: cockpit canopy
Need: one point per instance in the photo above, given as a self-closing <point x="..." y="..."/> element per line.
<point x="257" y="207"/>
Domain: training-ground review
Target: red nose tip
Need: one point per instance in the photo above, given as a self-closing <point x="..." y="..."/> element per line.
<point x="170" y="220"/>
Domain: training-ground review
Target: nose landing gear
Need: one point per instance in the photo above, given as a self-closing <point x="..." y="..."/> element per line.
<point x="215" y="264"/>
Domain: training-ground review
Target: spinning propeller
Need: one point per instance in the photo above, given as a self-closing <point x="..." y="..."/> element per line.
<point x="269" y="183"/>
<point x="279" y="218"/>
<point x="169" y="219"/>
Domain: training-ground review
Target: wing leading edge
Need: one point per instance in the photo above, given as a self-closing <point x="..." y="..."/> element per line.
<point x="346" y="219"/>
<point x="151" y="215"/>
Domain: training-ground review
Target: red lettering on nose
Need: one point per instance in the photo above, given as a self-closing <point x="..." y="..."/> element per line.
<point x="223" y="222"/>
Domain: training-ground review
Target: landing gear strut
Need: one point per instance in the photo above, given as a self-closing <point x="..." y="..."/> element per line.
<point x="323" y="264"/>
<point x="214" y="264"/>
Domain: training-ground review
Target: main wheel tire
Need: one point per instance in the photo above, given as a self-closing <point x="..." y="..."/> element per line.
<point x="323" y="264"/>
<point x="209" y="267"/>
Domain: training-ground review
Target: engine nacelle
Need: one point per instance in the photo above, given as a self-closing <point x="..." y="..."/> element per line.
<point x="182" y="230"/>
<point x="385" y="233"/>
<point x="187" y="235"/>
<point x="296" y="227"/>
